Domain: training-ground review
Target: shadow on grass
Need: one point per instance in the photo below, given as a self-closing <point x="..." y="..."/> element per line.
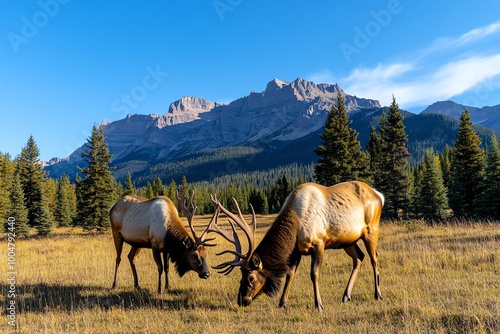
<point x="44" y="298"/>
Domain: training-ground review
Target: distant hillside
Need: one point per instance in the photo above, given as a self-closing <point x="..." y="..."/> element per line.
<point x="424" y="130"/>
<point x="485" y="116"/>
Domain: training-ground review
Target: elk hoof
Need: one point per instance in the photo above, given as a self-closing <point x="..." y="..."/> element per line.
<point x="346" y="299"/>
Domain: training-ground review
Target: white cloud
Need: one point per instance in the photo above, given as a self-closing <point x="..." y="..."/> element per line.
<point x="415" y="83"/>
<point x="421" y="86"/>
<point x="478" y="33"/>
<point x="471" y="36"/>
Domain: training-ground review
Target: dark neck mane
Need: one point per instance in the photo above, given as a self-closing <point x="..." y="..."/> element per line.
<point x="174" y="245"/>
<point x="277" y="247"/>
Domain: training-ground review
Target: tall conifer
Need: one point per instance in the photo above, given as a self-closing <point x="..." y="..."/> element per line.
<point x="487" y="202"/>
<point x="466" y="168"/>
<point x="31" y="175"/>
<point x="341" y="158"/>
<point x="17" y="208"/>
<point x="6" y="175"/>
<point x="97" y="190"/>
<point x="375" y="150"/>
<point x="432" y="201"/>
<point x="158" y="188"/>
<point x="63" y="212"/>
<point x="129" y="186"/>
<point x="395" y="179"/>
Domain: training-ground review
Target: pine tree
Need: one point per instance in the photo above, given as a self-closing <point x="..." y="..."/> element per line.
<point x="259" y="201"/>
<point x="432" y="201"/>
<point x="445" y="159"/>
<point x="487" y="202"/>
<point x="17" y="208"/>
<point x="341" y="158"/>
<point x="129" y="186"/>
<point x="171" y="191"/>
<point x="63" y="212"/>
<point x="31" y="175"/>
<point x="49" y="190"/>
<point x="416" y="177"/>
<point x="375" y="150"/>
<point x="6" y="175"/>
<point x="44" y="227"/>
<point x="79" y="198"/>
<point x="395" y="179"/>
<point x="149" y="191"/>
<point x="466" y="167"/>
<point x="97" y="190"/>
<point x="184" y="185"/>
<point x="158" y="188"/>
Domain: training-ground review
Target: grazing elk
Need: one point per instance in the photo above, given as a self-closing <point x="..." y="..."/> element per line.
<point x="155" y="223"/>
<point x="313" y="218"/>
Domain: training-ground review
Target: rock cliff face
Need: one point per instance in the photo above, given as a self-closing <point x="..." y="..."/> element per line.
<point x="191" y="105"/>
<point x="283" y="111"/>
<point x="486" y="116"/>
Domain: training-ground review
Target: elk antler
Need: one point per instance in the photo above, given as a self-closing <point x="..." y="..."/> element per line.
<point x="249" y="229"/>
<point x="189" y="210"/>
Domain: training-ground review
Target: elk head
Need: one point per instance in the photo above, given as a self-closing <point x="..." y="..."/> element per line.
<point x="253" y="277"/>
<point x="195" y="253"/>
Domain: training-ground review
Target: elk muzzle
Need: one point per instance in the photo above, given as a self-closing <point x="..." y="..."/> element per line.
<point x="203" y="270"/>
<point x="204" y="275"/>
<point x="244" y="300"/>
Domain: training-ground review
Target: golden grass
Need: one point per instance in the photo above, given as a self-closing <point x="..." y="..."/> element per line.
<point x="440" y="279"/>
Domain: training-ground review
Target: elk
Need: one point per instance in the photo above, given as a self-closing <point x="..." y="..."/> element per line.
<point x="155" y="223"/>
<point x="313" y="218"/>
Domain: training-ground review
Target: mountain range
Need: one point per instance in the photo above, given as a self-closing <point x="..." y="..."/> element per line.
<point x="279" y="126"/>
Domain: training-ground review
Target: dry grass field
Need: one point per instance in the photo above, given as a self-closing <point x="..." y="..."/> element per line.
<point x="440" y="279"/>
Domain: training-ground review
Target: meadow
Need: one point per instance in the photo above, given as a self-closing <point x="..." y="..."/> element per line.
<point x="434" y="279"/>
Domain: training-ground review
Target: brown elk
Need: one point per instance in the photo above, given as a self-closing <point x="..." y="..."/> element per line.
<point x="313" y="218"/>
<point x="155" y="223"/>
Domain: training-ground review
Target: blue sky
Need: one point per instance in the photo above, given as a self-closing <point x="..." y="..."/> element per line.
<point x="66" y="65"/>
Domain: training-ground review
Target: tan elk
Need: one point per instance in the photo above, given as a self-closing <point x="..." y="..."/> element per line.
<point x="155" y="223"/>
<point x="313" y="218"/>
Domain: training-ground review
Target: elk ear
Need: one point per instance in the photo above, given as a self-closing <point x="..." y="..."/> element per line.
<point x="255" y="262"/>
<point x="187" y="242"/>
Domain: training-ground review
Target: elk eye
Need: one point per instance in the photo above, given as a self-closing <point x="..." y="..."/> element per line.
<point x="251" y="278"/>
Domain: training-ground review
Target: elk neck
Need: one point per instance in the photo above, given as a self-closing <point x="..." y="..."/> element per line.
<point x="174" y="244"/>
<point x="277" y="247"/>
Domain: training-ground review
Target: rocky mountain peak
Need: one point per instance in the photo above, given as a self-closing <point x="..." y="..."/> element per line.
<point x="191" y="105"/>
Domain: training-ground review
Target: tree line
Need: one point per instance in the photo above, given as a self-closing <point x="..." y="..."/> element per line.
<point x="462" y="181"/>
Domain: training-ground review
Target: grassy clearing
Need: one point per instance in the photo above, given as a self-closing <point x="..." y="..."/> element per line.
<point x="441" y="279"/>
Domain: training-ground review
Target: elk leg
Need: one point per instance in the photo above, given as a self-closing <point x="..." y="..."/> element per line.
<point x="371" y="247"/>
<point x="294" y="263"/>
<point x="357" y="258"/>
<point x="117" y="237"/>
<point x="166" y="258"/>
<point x="316" y="261"/>
<point x="157" y="257"/>
<point x="131" y="258"/>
